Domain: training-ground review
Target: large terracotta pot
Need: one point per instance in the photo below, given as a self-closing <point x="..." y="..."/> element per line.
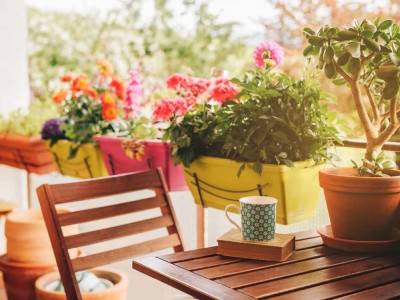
<point x="117" y="292"/>
<point x="19" y="278"/>
<point x="28" y="240"/>
<point x="361" y="208"/>
<point x="27" y="153"/>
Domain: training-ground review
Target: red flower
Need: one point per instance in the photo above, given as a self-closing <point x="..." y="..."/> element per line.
<point x="109" y="112"/>
<point x="108" y="98"/>
<point x="198" y="86"/>
<point x="167" y="108"/>
<point x="66" y="78"/>
<point x="60" y="96"/>
<point x="177" y="82"/>
<point x="119" y="87"/>
<point x="223" y="90"/>
<point x="80" y="83"/>
<point x="91" y="92"/>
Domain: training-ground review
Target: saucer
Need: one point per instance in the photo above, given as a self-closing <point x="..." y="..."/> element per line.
<point x="359" y="246"/>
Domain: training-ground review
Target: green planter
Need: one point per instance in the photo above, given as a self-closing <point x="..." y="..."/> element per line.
<point x="87" y="163"/>
<point x="213" y="182"/>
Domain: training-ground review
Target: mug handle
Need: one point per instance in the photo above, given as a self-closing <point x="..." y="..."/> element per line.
<point x="229" y="218"/>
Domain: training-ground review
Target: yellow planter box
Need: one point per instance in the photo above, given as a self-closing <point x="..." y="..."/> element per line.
<point x="88" y="162"/>
<point x="214" y="183"/>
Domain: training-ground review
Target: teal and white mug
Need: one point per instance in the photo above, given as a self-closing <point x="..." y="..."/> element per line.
<point x="258" y="214"/>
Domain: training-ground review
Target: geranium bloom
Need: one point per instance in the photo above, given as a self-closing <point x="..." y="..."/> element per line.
<point x="167" y="108"/>
<point x="177" y="82"/>
<point x="119" y="87"/>
<point x="60" y="96"/>
<point x="105" y="67"/>
<point x="223" y="90"/>
<point x="268" y="50"/>
<point x="80" y="83"/>
<point x="109" y="112"/>
<point x="107" y="98"/>
<point x="198" y="86"/>
<point x="66" y="78"/>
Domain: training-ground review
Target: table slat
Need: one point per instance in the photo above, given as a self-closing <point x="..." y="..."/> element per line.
<point x="207" y="262"/>
<point x="346" y="286"/>
<point x="252" y="265"/>
<point x="319" y="277"/>
<point x="188" y="255"/>
<point x="302" y="267"/>
<point x="186" y="281"/>
<point x="388" y="291"/>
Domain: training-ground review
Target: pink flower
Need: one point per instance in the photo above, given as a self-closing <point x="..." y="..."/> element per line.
<point x="268" y="50"/>
<point x="177" y="82"/>
<point x="134" y="94"/>
<point x="223" y="90"/>
<point x="166" y="108"/>
<point x="198" y="86"/>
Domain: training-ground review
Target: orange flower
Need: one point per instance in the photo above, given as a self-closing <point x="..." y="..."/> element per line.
<point x="66" y="78"/>
<point x="91" y="92"/>
<point x="109" y="112"/>
<point x="119" y="87"/>
<point x="80" y="83"/>
<point x="105" y="67"/>
<point x="59" y="96"/>
<point x="108" y="98"/>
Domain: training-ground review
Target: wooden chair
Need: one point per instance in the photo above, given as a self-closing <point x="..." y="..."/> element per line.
<point x="51" y="195"/>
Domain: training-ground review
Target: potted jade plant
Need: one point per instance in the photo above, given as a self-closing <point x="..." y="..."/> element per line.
<point x="263" y="134"/>
<point x="363" y="202"/>
<point x="138" y="149"/>
<point x="87" y="108"/>
<point x="20" y="143"/>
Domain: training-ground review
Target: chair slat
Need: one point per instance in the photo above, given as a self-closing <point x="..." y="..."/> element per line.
<point x="107" y="257"/>
<point x="98" y="213"/>
<point x="97" y="236"/>
<point x="100" y="187"/>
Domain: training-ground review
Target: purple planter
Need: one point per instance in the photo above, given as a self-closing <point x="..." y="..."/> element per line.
<point x="157" y="155"/>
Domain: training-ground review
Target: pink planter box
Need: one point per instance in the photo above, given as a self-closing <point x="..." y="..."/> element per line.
<point x="157" y="155"/>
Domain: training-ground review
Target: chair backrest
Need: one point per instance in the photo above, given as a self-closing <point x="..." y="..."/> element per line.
<point x="51" y="195"/>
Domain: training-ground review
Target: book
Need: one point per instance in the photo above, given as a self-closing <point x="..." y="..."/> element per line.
<point x="279" y="249"/>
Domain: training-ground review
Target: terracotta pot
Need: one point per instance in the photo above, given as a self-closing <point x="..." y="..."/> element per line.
<point x="28" y="240"/>
<point x="19" y="278"/>
<point x="361" y="208"/>
<point x="27" y="153"/>
<point x="117" y="292"/>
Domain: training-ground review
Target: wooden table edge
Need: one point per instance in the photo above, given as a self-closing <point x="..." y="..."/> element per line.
<point x="186" y="281"/>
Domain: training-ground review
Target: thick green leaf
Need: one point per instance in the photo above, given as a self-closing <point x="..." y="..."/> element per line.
<point x="354" y="49"/>
<point x="308" y="51"/>
<point x="391" y="89"/>
<point x="347" y="35"/>
<point x="343" y="59"/>
<point x="371" y="44"/>
<point x="385" y="25"/>
<point x="329" y="54"/>
<point x="387" y="73"/>
<point x="316" y="40"/>
<point x="330" y="71"/>
<point x="354" y="65"/>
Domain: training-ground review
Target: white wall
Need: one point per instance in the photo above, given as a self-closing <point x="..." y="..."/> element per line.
<point x="14" y="88"/>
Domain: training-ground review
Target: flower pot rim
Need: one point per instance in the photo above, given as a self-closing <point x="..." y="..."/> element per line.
<point x="350" y="172"/>
<point x="42" y="280"/>
<point x="227" y="161"/>
<point x="5" y="261"/>
<point x="15" y="216"/>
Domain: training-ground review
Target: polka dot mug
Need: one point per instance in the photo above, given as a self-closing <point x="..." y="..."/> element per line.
<point x="258" y="214"/>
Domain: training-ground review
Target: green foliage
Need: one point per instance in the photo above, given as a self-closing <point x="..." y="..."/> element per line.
<point x="374" y="166"/>
<point x="279" y="120"/>
<point x="28" y="123"/>
<point x="158" y="47"/>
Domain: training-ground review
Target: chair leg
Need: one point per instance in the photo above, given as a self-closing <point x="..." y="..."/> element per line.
<point x="200" y="226"/>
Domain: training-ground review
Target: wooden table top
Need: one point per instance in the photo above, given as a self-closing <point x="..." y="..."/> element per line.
<point x="314" y="271"/>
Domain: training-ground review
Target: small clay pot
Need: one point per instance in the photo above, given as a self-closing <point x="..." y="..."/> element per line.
<point x="117" y="292"/>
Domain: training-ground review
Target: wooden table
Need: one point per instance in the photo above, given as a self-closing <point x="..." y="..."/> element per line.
<point x="314" y="271"/>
